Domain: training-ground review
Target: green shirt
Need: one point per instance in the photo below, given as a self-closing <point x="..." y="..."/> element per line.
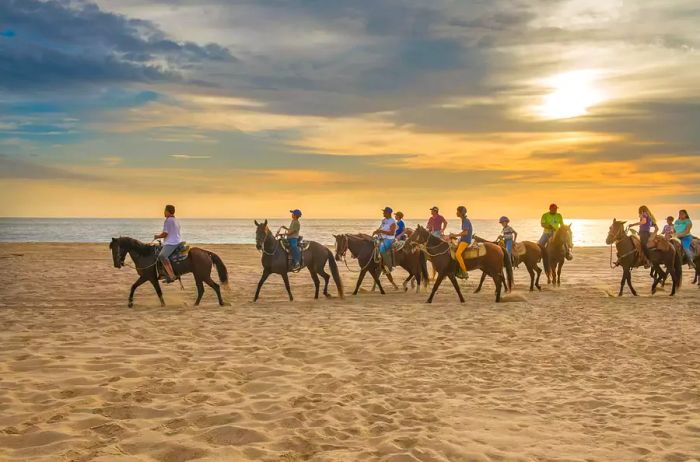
<point x="294" y="229"/>
<point x="551" y="222"/>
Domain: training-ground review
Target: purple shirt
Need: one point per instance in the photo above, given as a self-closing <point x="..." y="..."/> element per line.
<point x="435" y="223"/>
<point x="645" y="226"/>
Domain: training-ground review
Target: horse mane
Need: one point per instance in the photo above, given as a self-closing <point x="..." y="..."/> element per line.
<point x="136" y="245"/>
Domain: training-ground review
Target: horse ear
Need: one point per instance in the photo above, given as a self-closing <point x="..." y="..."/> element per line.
<point x="335" y="236"/>
<point x="265" y="222"/>
<point x="256" y="222"/>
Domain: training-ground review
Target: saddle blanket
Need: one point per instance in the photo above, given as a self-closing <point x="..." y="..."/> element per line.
<point x="519" y="249"/>
<point x="476" y="250"/>
<point x="303" y="245"/>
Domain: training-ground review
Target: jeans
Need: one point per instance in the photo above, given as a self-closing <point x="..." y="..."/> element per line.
<point x="686" y="241"/>
<point x="166" y="251"/>
<point x="385" y="245"/>
<point x="437" y="233"/>
<point x="644" y="238"/>
<point x="509" y="246"/>
<point x="294" y="247"/>
<point x="544" y="238"/>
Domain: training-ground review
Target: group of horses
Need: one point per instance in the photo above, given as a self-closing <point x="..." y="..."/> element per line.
<point x="664" y="257"/>
<point x="419" y="247"/>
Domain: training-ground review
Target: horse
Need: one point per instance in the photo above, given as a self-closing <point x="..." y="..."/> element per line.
<point x="670" y="254"/>
<point x="361" y="246"/>
<point x="531" y="258"/>
<point x="555" y="252"/>
<point x="507" y="266"/>
<point x="491" y="263"/>
<point x="199" y="262"/>
<point x="629" y="253"/>
<point x="275" y="260"/>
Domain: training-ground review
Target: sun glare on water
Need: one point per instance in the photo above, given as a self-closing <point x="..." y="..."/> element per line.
<point x="572" y="94"/>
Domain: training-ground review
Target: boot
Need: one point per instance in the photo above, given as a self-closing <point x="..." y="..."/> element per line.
<point x="169" y="273"/>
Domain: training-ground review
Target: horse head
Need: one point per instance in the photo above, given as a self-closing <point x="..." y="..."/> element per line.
<point x="118" y="252"/>
<point x="261" y="232"/>
<point x="616" y="232"/>
<point x="341" y="246"/>
<point x="563" y="235"/>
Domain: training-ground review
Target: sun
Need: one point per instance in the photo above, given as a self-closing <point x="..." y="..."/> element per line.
<point x="572" y="94"/>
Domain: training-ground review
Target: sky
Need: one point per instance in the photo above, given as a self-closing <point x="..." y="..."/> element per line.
<point x="227" y="108"/>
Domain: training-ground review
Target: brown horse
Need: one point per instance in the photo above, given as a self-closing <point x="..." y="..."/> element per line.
<point x="669" y="254"/>
<point x="507" y="266"/>
<point x="556" y="253"/>
<point x="361" y="247"/>
<point x="629" y="253"/>
<point x="199" y="262"/>
<point x="275" y="260"/>
<point x="531" y="258"/>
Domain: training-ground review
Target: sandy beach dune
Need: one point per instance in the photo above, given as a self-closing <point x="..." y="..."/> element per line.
<point x="565" y="374"/>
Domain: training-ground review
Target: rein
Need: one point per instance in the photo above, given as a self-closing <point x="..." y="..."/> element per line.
<point x="274" y="248"/>
<point x="347" y="247"/>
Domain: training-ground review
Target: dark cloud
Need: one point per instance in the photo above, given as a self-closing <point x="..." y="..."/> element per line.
<point x="13" y="167"/>
<point x="59" y="44"/>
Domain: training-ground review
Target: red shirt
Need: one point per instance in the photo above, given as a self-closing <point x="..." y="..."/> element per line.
<point x="435" y="223"/>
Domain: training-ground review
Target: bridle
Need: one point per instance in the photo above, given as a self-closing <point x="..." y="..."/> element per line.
<point x="423" y="246"/>
<point x="264" y="240"/>
<point x="346" y="240"/>
<point x="620" y="235"/>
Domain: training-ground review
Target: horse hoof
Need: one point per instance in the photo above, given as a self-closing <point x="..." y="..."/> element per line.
<point x="130" y="305"/>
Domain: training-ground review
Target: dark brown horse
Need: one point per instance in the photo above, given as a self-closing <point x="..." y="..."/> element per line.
<point x="629" y="253"/>
<point x="275" y="260"/>
<point x="199" y="262"/>
<point x="556" y="253"/>
<point x="669" y="254"/>
<point x="361" y="247"/>
<point x="507" y="266"/>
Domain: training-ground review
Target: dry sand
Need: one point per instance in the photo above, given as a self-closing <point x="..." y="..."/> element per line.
<point x="565" y="374"/>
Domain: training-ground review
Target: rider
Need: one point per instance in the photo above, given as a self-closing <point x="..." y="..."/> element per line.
<point x="509" y="235"/>
<point x="173" y="239"/>
<point x="400" y="226"/>
<point x="386" y="231"/>
<point x="436" y="223"/>
<point x="645" y="223"/>
<point x="465" y="236"/>
<point x="551" y="221"/>
<point x="682" y="227"/>
<point x="668" y="228"/>
<point x="292" y="235"/>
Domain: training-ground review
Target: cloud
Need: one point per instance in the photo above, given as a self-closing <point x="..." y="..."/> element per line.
<point x="189" y="156"/>
<point x="12" y="167"/>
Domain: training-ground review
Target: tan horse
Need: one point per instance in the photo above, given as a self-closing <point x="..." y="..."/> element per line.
<point x="556" y="253"/>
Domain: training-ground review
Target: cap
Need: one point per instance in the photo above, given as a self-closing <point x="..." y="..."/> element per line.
<point x="553" y="205"/>
<point x="295" y="212"/>
<point x="434" y="207"/>
<point x="387" y="210"/>
<point x="503" y="219"/>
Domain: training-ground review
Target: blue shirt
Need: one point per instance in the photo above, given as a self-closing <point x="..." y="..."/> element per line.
<point x="466" y="225"/>
<point x="400" y="226"/>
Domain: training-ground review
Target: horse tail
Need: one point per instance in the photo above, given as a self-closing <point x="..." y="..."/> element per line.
<point x="220" y="268"/>
<point x="509" y="270"/>
<point x="678" y="266"/>
<point x="335" y="273"/>
<point x="423" y="269"/>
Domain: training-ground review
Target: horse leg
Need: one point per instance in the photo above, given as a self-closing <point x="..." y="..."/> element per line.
<point x="285" y="278"/>
<point x="539" y="273"/>
<point x="326" y="277"/>
<point x="391" y="279"/>
<point x="456" y="286"/>
<point x="159" y="292"/>
<point x="481" y="283"/>
<point x="210" y="282"/>
<point x="559" y="267"/>
<point x="359" y="281"/>
<point x="200" y="290"/>
<point x="405" y="283"/>
<point x="263" y="278"/>
<point x="622" y="281"/>
<point x="656" y="271"/>
<point x="629" y="281"/>
<point x="531" y="272"/>
<point x="498" y="279"/>
<point x="375" y="275"/>
<point x="317" y="282"/>
<point x="138" y="282"/>
<point x="438" y="280"/>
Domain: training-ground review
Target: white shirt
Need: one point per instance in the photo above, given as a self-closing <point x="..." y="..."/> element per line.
<point x="386" y="226"/>
<point x="172" y="227"/>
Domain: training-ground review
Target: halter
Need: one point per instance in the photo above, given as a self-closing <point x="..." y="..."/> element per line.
<point x="424" y="247"/>
<point x="275" y="245"/>
<point x="345" y="251"/>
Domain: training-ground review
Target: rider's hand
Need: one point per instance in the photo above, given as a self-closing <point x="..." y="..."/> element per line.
<point x="155" y="236"/>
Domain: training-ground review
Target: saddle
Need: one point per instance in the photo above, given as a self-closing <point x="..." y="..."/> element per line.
<point x="476" y="250"/>
<point x="303" y="245"/>
<point x="180" y="254"/>
<point x="640" y="258"/>
<point x="519" y="249"/>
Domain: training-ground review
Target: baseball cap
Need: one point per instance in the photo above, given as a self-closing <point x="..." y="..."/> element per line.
<point x="388" y="210"/>
<point x="295" y="212"/>
<point x="434" y="207"/>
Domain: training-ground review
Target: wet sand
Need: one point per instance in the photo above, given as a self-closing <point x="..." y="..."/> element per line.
<point x="569" y="373"/>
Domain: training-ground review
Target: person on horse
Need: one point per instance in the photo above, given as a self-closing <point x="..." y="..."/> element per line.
<point x="668" y="230"/>
<point x="509" y="235"/>
<point x="682" y="227"/>
<point x="436" y="223"/>
<point x="465" y="236"/>
<point x="645" y="223"/>
<point x="173" y="239"/>
<point x="386" y="233"/>
<point x="292" y="236"/>
<point x="550" y="222"/>
<point x="400" y="226"/>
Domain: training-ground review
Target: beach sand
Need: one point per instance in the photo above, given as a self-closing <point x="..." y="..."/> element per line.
<point x="570" y="373"/>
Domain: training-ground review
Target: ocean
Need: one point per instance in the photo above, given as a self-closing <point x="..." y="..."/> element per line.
<point x="242" y="231"/>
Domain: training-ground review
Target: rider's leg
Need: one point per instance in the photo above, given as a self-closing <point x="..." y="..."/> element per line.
<point x="294" y="247"/>
<point x="686" y="241"/>
<point x="460" y="259"/>
<point x="544" y="238"/>
<point x="509" y="247"/>
<point x="163" y="256"/>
